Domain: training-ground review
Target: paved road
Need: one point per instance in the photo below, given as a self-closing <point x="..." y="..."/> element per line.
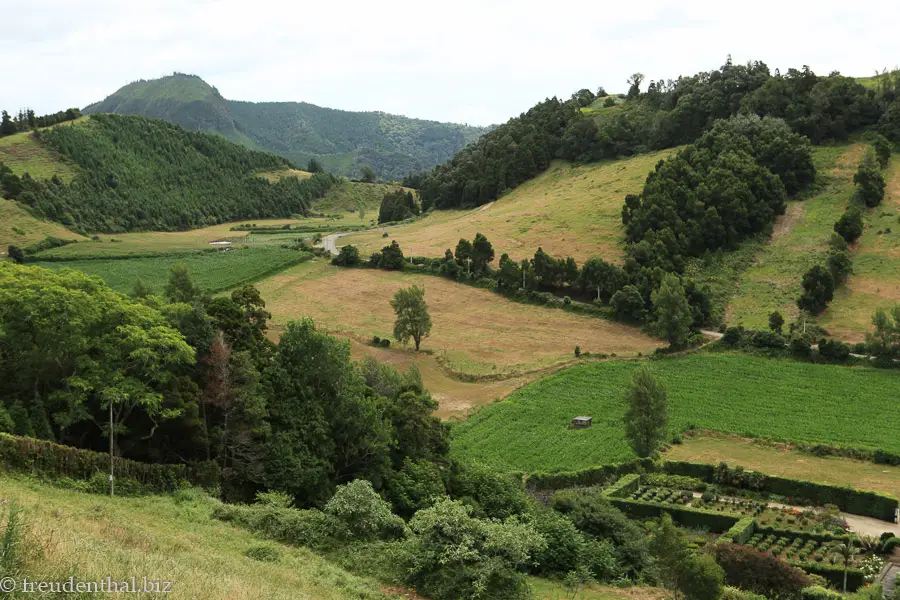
<point x="329" y="242"/>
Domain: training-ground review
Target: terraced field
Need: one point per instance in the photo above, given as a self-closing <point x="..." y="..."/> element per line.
<point x="568" y="211"/>
<point x="734" y="393"/>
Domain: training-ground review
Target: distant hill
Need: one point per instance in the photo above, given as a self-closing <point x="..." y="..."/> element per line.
<point x="343" y="141"/>
<point x="118" y="173"/>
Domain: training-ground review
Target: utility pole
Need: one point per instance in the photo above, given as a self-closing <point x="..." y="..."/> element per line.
<point x="111" y="463"/>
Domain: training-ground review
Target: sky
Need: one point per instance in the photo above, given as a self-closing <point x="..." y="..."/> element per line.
<point x="475" y="62"/>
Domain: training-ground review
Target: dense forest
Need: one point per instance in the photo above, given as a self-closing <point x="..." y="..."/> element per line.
<point x="142" y="174"/>
<point x="343" y="141"/>
<point x="669" y="113"/>
<point x="26" y="120"/>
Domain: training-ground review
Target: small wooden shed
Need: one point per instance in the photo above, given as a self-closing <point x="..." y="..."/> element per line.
<point x="581" y="422"/>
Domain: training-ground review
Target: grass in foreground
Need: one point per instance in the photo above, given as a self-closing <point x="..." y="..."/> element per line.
<point x="567" y="210"/>
<point x="785" y="462"/>
<point x="545" y="589"/>
<point x="212" y="271"/>
<point x="875" y="282"/>
<point x="733" y="393"/>
<point x="475" y="331"/>
<point x="23" y="154"/>
<point x="166" y="538"/>
<point x="800" y="240"/>
<point x="20" y="228"/>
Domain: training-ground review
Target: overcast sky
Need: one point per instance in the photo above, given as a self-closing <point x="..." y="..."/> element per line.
<point x="476" y="62"/>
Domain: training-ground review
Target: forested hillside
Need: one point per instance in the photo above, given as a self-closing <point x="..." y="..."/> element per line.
<point x="134" y="173"/>
<point x="344" y="141"/>
<point x="668" y="114"/>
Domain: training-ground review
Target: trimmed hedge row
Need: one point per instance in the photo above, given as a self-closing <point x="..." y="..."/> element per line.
<point x="715" y="522"/>
<point x="856" y="502"/>
<point x="40" y="457"/>
<point x="740" y="533"/>
<point x="585" y="477"/>
<point x="623" y="487"/>
<point x="834" y="574"/>
<point x="825" y="538"/>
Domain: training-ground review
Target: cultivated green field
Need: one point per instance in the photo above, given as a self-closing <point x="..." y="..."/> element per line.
<point x="734" y="393"/>
<point x="212" y="271"/>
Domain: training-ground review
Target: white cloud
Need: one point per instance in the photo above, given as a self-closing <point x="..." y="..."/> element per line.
<point x="468" y="61"/>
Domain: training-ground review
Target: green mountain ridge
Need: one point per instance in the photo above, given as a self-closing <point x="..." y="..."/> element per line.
<point x="343" y="141"/>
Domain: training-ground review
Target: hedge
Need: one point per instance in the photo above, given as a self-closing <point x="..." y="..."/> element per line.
<point x="585" y="477"/>
<point x="623" y="487"/>
<point x="834" y="574"/>
<point x="890" y="544"/>
<point x="742" y="531"/>
<point x="40" y="457"/>
<point x="818" y="592"/>
<point x="856" y="502"/>
<point x="826" y="538"/>
<point x="715" y="522"/>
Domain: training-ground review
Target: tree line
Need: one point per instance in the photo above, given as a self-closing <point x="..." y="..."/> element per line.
<point x="669" y="113"/>
<point x="178" y="376"/>
<point x="26" y="120"/>
<point x="142" y="174"/>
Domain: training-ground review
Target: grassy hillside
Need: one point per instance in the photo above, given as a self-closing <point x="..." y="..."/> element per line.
<point x="734" y="393"/>
<point x="567" y="210"/>
<point x="800" y="241"/>
<point x="344" y="141"/>
<point x="475" y="331"/>
<point x="166" y="538"/>
<point x="875" y="282"/>
<point x="22" y="153"/>
<point x="20" y="228"/>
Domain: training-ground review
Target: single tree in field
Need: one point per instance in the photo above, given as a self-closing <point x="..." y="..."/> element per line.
<point x="413" y="320"/>
<point x="482" y="252"/>
<point x="818" y="290"/>
<point x="672" y="312"/>
<point x="368" y="174"/>
<point x="647" y="413"/>
<point x="776" y="322"/>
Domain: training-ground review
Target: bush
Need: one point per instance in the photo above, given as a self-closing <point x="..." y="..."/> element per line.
<point x="818" y="592"/>
<point x="834" y="349"/>
<point x="767" y="339"/>
<point x="834" y="574"/>
<point x="733" y="335"/>
<point x="565" y="545"/>
<point x="309" y="528"/>
<point x="850" y="225"/>
<point x="347" y="257"/>
<point x="489" y="493"/>
<point x="454" y="555"/>
<point x="890" y="544"/>
<point x="263" y="553"/>
<point x="759" y="572"/>
<point x="274" y="499"/>
<point x="364" y="513"/>
<point x="869" y="183"/>
<point x="416" y="486"/>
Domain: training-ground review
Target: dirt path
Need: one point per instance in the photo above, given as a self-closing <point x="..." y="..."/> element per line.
<point x="328" y="242"/>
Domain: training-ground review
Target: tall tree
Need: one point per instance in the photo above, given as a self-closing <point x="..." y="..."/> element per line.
<point x="647" y="413"/>
<point x="181" y="287"/>
<point x="368" y="174"/>
<point x="314" y="166"/>
<point x="482" y="253"/>
<point x="7" y="126"/>
<point x="672" y="312"/>
<point x="412" y="318"/>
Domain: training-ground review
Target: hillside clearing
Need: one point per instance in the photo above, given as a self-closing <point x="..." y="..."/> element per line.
<point x="567" y="210"/>
<point x="786" y="462"/>
<point x="476" y="332"/>
<point x="351" y="196"/>
<point x="166" y="538"/>
<point x="273" y="176"/>
<point x="20" y="228"/>
<point x="799" y="241"/>
<point x="23" y="154"/>
<point x="875" y="282"/>
<point x="733" y="393"/>
<point x="212" y="271"/>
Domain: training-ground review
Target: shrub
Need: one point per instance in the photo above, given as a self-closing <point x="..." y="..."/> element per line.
<point x="834" y="349"/>
<point x="490" y="494"/>
<point x="869" y="182"/>
<point x="274" y="499"/>
<point x="850" y="225"/>
<point x="454" y="555"/>
<point x="760" y="572"/>
<point x="818" y="592"/>
<point x="417" y="485"/>
<point x="890" y="544"/>
<point x="310" y="528"/>
<point x="733" y="336"/>
<point x="565" y="545"/>
<point x="362" y="510"/>
<point x="263" y="553"/>
<point x="767" y="339"/>
<point x="347" y="257"/>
